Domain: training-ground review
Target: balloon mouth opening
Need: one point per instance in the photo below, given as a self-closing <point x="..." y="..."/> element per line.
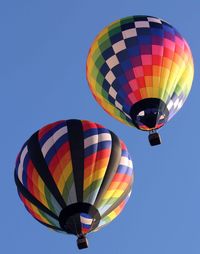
<point x="149" y="114"/>
<point x="79" y="218"/>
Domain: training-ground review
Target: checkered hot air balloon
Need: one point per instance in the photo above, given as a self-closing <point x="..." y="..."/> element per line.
<point x="140" y="70"/>
<point x="74" y="176"/>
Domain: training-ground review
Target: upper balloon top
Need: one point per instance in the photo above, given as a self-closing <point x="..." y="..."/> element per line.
<point x="140" y="59"/>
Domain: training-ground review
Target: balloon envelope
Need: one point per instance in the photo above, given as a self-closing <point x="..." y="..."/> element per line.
<point x="74" y="176"/>
<point x="140" y="70"/>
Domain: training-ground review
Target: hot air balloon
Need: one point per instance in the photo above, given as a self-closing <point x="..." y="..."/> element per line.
<point x="74" y="176"/>
<point x="140" y="70"/>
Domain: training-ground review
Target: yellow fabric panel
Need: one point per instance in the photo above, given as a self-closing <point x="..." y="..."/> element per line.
<point x="166" y="62"/>
<point x="97" y="173"/>
<point x="112" y="215"/>
<point x="41" y="186"/>
<point x="149" y="91"/>
<point x="143" y="92"/>
<point x="115" y="185"/>
<point x="164" y="76"/>
<point x="91" y="64"/>
<point x="155" y="87"/>
<point x="148" y="81"/>
<point x="157" y="71"/>
<point x="37" y="213"/>
<point x="67" y="171"/>
<point x="113" y="194"/>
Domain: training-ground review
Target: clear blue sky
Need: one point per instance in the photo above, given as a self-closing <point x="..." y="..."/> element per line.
<point x="44" y="45"/>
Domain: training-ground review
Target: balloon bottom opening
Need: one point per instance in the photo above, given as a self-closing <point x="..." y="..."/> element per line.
<point x="149" y="114"/>
<point x="79" y="218"/>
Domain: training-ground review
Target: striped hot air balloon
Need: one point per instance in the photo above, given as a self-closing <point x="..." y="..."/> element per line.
<point x="74" y="176"/>
<point x="140" y="70"/>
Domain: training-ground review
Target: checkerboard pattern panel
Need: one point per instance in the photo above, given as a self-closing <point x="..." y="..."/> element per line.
<point x="135" y="58"/>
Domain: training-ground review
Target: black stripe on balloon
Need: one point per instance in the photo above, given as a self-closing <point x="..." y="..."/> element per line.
<point x="32" y="199"/>
<point x="113" y="164"/>
<point x="76" y="141"/>
<point x="118" y="202"/>
<point x="39" y="163"/>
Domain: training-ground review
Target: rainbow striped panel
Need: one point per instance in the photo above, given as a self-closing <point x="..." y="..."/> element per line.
<point x="109" y="216"/>
<point x="135" y="58"/>
<point x="73" y="162"/>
